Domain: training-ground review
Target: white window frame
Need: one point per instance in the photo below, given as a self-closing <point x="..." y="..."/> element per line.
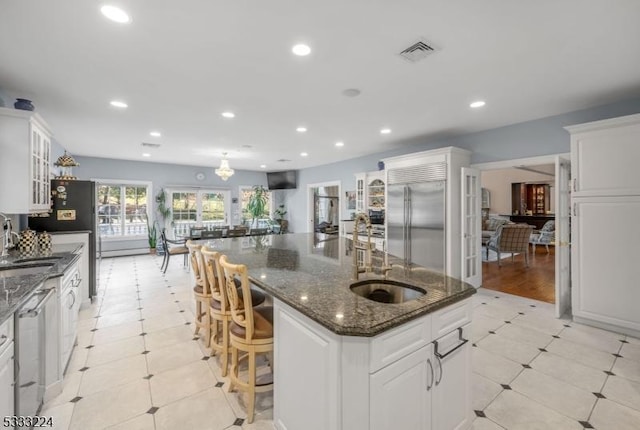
<point x="123" y="183"/>
<point x="199" y="192"/>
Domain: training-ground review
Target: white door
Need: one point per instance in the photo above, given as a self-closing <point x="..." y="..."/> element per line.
<point x="401" y="393"/>
<point x="471" y="229"/>
<point x="563" y="236"/>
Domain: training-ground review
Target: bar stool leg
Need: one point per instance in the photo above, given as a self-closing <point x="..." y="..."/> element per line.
<point x="252" y="387"/>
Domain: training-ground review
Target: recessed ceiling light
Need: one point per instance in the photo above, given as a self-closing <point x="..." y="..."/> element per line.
<point x="303" y="154"/>
<point x="339" y="144"/>
<point x="301" y="129"/>
<point x="351" y="92"/>
<point x="228" y="114"/>
<point x="155" y="134"/>
<point x="115" y="14"/>
<point x="301" y="50"/>
<point x="385" y="131"/>
<point x="263" y="166"/>
<point x="477" y="104"/>
<point x="146" y="154"/>
<point x="119" y="104"/>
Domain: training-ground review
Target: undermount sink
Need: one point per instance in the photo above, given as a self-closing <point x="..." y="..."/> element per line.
<point x="26" y="260"/>
<point x="386" y="291"/>
<point x="34" y="269"/>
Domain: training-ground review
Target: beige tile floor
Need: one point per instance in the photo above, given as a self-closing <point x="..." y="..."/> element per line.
<point x="137" y="364"/>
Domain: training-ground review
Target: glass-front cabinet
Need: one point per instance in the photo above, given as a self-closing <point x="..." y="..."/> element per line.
<point x="375" y="195"/>
<point x="25" y="165"/>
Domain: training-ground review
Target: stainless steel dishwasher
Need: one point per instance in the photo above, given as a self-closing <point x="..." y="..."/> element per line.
<point x="30" y="351"/>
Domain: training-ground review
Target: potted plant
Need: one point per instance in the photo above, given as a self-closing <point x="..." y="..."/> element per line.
<point x="257" y="204"/>
<point x="279" y="213"/>
<point x="152" y="236"/>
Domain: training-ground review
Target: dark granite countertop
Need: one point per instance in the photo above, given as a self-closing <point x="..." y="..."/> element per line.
<point x="15" y="290"/>
<point x="312" y="273"/>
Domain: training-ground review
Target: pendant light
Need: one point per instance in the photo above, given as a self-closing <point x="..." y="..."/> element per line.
<point x="224" y="171"/>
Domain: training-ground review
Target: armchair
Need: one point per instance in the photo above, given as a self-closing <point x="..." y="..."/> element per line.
<point x="544" y="236"/>
<point x="511" y="238"/>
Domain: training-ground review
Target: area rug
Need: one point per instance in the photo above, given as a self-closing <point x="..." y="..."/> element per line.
<point x="493" y="256"/>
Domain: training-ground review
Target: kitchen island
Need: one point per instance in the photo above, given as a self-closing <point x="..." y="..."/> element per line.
<point x="343" y="361"/>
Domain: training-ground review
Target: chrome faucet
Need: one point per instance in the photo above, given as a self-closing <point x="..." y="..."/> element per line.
<point x="357" y="269"/>
<point x="6" y="233"/>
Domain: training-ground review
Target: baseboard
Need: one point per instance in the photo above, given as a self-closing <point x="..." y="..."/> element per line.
<point x="124" y="252"/>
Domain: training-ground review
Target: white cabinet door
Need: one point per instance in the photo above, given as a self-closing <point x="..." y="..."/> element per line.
<point x="306" y="367"/>
<point x="25" y="145"/>
<point x="360" y="192"/>
<point x="605" y="157"/>
<point x="604" y="256"/>
<point x="401" y="393"/>
<point x="451" y="403"/>
<point x="6" y="381"/>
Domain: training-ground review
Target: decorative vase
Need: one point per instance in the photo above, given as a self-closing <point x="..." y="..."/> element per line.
<point x="27" y="242"/>
<point x="23" y="104"/>
<point x="44" y="241"/>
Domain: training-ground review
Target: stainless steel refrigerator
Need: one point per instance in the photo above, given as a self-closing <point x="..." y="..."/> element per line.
<point x="73" y="205"/>
<point x="416" y="223"/>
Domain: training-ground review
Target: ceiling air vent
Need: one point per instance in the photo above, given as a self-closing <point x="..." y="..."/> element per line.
<point x="283" y="160"/>
<point x="417" y="51"/>
<point x="150" y="145"/>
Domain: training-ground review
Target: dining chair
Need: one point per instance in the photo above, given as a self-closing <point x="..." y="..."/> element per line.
<point x="250" y="332"/>
<point x="211" y="234"/>
<point x="237" y="232"/>
<point x="172" y="247"/>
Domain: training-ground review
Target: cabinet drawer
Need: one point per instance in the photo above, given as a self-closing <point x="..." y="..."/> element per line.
<point x="450" y="318"/>
<point x="399" y="342"/>
<point x="6" y="333"/>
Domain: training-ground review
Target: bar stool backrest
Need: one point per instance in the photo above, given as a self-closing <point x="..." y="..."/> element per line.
<point x="241" y="308"/>
<point x="197" y="265"/>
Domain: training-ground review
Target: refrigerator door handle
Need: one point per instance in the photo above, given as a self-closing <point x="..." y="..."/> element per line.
<point x="409" y="221"/>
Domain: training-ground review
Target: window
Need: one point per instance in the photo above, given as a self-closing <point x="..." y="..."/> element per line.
<point x="122" y="209"/>
<point x="247" y="218"/>
<point x="205" y="208"/>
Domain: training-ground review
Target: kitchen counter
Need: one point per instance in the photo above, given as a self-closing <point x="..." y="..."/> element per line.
<point x="312" y="273"/>
<point x="15" y="290"/>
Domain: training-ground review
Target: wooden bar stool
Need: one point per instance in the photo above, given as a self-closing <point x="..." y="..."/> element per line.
<point x="219" y="310"/>
<point x="251" y="332"/>
<point x="201" y="291"/>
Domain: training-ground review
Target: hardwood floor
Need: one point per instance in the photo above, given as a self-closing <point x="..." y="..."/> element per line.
<point x="535" y="282"/>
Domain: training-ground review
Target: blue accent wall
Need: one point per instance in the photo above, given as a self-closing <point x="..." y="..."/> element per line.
<point x="543" y="136"/>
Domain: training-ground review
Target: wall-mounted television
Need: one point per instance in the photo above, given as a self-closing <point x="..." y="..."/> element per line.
<point x="282" y="180"/>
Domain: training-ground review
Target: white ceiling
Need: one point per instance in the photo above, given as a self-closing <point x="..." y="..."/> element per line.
<point x="179" y="64"/>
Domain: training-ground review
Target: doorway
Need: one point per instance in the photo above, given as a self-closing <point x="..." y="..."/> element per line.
<point x="547" y="277"/>
<point x="324" y="207"/>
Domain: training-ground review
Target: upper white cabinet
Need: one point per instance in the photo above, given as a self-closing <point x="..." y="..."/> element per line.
<point x="605" y="157"/>
<point x="370" y="191"/>
<point x="25" y="164"/>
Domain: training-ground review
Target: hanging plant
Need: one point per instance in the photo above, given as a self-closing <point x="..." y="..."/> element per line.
<point x="163" y="210"/>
